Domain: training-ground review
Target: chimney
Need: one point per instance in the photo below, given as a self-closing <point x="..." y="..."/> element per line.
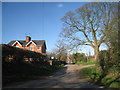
<point x="28" y="38"/>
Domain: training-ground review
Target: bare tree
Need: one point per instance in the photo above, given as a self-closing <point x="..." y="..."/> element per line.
<point x="89" y="24"/>
<point x="61" y="50"/>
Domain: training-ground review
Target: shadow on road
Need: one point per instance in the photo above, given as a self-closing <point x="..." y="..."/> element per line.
<point x="65" y="77"/>
<point x="62" y="71"/>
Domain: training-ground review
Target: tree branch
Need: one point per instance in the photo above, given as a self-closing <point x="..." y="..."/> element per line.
<point x="88" y="39"/>
<point x="94" y="33"/>
<point x="101" y="40"/>
<point x="85" y="35"/>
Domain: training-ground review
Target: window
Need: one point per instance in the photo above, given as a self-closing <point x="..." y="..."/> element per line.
<point x="32" y="48"/>
<point x="17" y="46"/>
<point x="39" y="48"/>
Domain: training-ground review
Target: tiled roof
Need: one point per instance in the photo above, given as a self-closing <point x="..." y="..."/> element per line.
<point x="39" y="42"/>
<point x="23" y="42"/>
<point x="10" y="43"/>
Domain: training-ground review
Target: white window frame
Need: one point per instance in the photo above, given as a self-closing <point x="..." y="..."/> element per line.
<point x="32" y="49"/>
<point x="38" y="47"/>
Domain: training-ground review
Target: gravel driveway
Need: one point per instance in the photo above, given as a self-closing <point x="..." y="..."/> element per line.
<point x="66" y="77"/>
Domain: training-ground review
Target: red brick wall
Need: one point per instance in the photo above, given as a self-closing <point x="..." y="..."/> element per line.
<point x="42" y="50"/>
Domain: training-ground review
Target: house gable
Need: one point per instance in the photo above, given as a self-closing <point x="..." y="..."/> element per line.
<point x="16" y="42"/>
<point x="17" y="45"/>
<point x="30" y="43"/>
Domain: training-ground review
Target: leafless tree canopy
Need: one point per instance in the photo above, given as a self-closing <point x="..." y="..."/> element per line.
<point x="89" y="24"/>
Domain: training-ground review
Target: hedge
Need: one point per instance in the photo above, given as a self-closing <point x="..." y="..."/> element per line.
<point x="19" y="64"/>
<point x="17" y="61"/>
<point x="15" y="55"/>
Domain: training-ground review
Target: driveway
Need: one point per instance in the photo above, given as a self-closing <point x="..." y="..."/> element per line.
<point x="66" y="77"/>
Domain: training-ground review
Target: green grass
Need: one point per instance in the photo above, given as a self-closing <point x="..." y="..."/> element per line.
<point x="85" y="63"/>
<point x="87" y="71"/>
<point x="93" y="75"/>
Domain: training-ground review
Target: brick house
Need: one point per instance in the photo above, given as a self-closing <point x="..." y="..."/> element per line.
<point x="33" y="45"/>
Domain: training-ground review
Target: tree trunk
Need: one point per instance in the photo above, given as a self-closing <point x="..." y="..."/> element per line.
<point x="96" y="51"/>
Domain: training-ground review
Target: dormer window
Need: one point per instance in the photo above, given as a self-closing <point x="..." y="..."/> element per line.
<point x="39" y="47"/>
<point x="32" y="48"/>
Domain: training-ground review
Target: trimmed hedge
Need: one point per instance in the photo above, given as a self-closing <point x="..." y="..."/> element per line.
<point x="19" y="64"/>
<point x="17" y="57"/>
<point x="20" y="55"/>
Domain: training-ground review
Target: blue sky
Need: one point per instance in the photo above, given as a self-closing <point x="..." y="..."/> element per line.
<point x="40" y="20"/>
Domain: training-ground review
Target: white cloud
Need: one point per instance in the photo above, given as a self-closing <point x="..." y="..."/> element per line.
<point x="60" y="5"/>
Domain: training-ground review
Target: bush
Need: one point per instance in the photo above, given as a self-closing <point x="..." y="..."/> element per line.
<point x="79" y="57"/>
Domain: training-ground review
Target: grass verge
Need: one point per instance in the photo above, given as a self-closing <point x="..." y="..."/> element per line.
<point x="92" y="75"/>
<point x="85" y="63"/>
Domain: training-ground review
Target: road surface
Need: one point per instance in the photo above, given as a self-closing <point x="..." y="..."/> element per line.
<point x="66" y="77"/>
